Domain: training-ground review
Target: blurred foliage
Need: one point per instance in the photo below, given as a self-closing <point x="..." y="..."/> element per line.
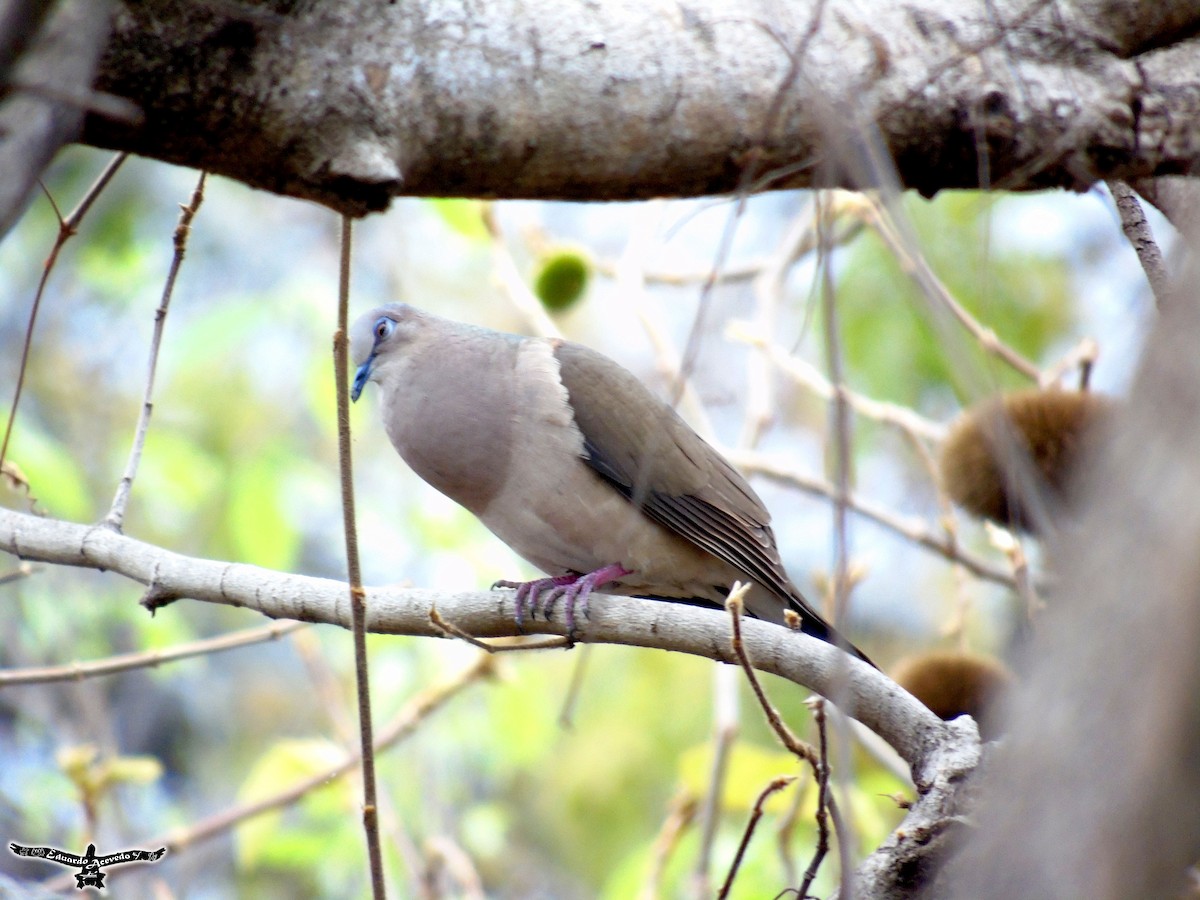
<point x="240" y="464"/>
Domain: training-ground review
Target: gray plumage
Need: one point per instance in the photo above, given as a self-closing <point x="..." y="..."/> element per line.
<point x="572" y="462"/>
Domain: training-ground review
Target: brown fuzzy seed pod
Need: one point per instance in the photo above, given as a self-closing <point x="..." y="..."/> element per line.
<point x="979" y="469"/>
<point x="952" y="683"/>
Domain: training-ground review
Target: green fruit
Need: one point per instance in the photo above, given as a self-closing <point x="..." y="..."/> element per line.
<point x="562" y="278"/>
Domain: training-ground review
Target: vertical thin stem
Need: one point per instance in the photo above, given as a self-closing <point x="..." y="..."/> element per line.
<point x="839" y="413"/>
<point x="116" y="514"/>
<point x="358" y="597"/>
<point x="66" y="229"/>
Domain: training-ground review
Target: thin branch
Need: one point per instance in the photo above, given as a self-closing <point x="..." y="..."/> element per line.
<point x="725" y="733"/>
<point x="358" y="597"/>
<point x="514" y="285"/>
<point x="755" y="814"/>
<point x="816" y="759"/>
<point x="116" y="513"/>
<point x="915" y="530"/>
<point x="1137" y="230"/>
<point x="824" y="799"/>
<point x="452" y="630"/>
<point x="810" y="378"/>
<point x="22" y="570"/>
<point x="402" y="725"/>
<point x="78" y="671"/>
<point x="784" y="833"/>
<point x="1082" y="356"/>
<point x="680" y="816"/>
<point x="913" y="263"/>
<point x="443" y="853"/>
<point x="1006" y="542"/>
<point x="840" y="423"/>
<point x="566" y="713"/>
<point x="793" y="744"/>
<point x="66" y="229"/>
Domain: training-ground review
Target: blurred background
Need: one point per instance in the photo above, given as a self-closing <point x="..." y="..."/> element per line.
<point x="493" y="792"/>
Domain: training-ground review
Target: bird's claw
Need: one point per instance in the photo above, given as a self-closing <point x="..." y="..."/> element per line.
<point x="528" y="593"/>
<point x="574" y="590"/>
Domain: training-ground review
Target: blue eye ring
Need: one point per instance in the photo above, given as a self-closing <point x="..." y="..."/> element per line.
<point x="383" y="328"/>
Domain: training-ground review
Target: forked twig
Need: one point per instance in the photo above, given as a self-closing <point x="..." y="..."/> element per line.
<point x="777" y="784"/>
<point x="824" y="800"/>
<point x="66" y="230"/>
<point x="815" y="757"/>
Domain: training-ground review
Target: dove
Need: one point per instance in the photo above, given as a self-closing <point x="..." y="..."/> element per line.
<point x="572" y="462"/>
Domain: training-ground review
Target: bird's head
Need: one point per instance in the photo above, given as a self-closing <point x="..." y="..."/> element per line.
<point x="376" y="334"/>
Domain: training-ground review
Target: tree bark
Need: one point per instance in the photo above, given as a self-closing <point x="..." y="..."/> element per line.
<point x="352" y="103"/>
<point x="48" y="56"/>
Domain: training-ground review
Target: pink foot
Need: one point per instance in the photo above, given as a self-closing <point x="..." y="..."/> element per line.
<point x="574" y="589"/>
<point x="529" y="591"/>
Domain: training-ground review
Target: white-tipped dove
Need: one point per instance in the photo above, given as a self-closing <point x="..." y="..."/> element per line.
<point x="571" y="461"/>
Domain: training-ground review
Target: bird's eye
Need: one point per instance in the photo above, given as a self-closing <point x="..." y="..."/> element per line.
<point x="383" y="327"/>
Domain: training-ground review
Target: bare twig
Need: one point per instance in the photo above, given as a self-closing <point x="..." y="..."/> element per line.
<point x="680" y="816"/>
<point x="66" y="229"/>
<point x="77" y="671"/>
<point x="515" y="287"/>
<point x="1137" y="230"/>
<point x="21" y="570"/>
<point x="1006" y="542"/>
<point x="116" y="513"/>
<point x="817" y="759"/>
<point x="452" y="630"/>
<point x="358" y="601"/>
<point x="566" y="713"/>
<point x="823" y="800"/>
<point x="1082" y="356"/>
<point x="840" y="424"/>
<point x="777" y="784"/>
<point x="915" y="530"/>
<point x="443" y="853"/>
<point x="809" y="377"/>
<point x="913" y="262"/>
<point x="793" y="744"/>
<point x="725" y="735"/>
<point x="784" y="833"/>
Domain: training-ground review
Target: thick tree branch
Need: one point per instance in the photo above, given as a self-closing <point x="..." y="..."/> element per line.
<point x="351" y="103"/>
<point x="48" y="55"/>
<point x="861" y="691"/>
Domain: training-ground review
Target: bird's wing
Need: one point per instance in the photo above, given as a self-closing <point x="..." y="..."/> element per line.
<point x="644" y="450"/>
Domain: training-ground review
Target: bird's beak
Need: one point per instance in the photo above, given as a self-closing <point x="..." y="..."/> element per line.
<point x="360" y="377"/>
